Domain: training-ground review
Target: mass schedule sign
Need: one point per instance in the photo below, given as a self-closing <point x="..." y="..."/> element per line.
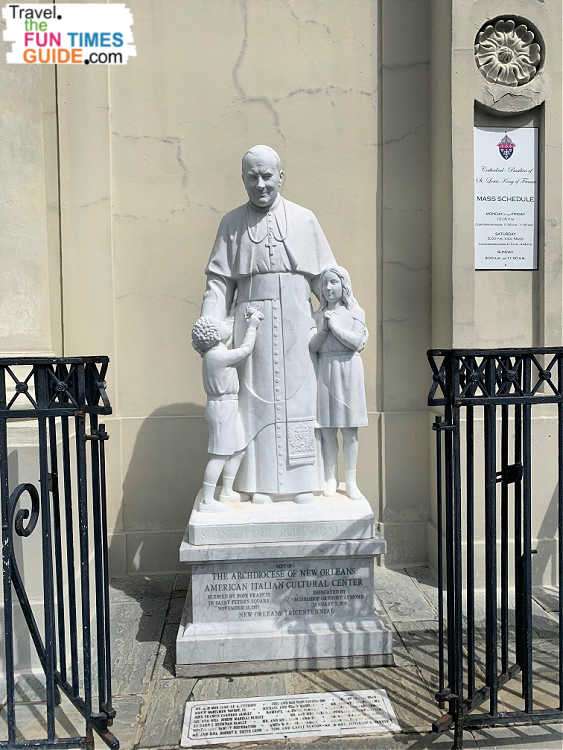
<point x="506" y="198"/>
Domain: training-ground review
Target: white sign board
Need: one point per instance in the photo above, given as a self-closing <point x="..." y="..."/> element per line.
<point x="350" y="712"/>
<point x="506" y="198"/>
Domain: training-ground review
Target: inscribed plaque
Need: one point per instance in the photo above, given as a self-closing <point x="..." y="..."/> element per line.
<point x="282" y="591"/>
<point x="353" y="712"/>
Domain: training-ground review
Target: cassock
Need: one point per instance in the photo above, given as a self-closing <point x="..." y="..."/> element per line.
<point x="270" y="260"/>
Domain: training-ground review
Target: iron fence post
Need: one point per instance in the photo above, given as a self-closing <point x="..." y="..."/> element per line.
<point x="560" y="529"/>
<point x="7" y="567"/>
<point x="58" y="389"/>
<point x="465" y="379"/>
<point x="527" y="529"/>
<point x="491" y="539"/>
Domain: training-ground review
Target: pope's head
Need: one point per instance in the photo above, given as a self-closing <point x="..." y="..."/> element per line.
<point x="262" y="175"/>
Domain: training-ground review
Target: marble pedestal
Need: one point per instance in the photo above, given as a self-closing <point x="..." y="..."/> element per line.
<point x="326" y="519"/>
<point x="267" y="605"/>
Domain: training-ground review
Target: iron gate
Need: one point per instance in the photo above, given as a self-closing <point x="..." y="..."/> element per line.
<point x="467" y="383"/>
<point x="62" y="400"/>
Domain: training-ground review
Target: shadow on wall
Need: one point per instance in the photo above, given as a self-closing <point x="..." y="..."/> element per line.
<point x="545" y="562"/>
<point x="163" y="475"/>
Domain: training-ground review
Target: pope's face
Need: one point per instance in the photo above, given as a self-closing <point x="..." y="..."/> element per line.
<point x="331" y="287"/>
<point x="262" y="179"/>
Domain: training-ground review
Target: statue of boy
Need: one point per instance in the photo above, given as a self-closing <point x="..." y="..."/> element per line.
<point x="269" y="254"/>
<point x="227" y="438"/>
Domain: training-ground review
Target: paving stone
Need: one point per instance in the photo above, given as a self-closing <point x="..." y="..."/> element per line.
<point x="410" y="741"/>
<point x="163" y="724"/>
<point x="545" y="652"/>
<point x="135" y="609"/>
<point x="510" y="696"/>
<point x="140" y="587"/>
<point x="182" y="583"/>
<point x="401" y="597"/>
<point x="166" y="659"/>
<point x="417" y="626"/>
<point x="411" y="698"/>
<point x="126" y="725"/>
<point x="423" y="649"/>
<point x="542" y="621"/>
<point x="243" y="686"/>
<point x="417" y="644"/>
<point x="539" y="737"/>
<point x="175" y="609"/>
<point x="548" y="597"/>
<point x="402" y="657"/>
<point x="29" y="688"/>
<point x="135" y="643"/>
<point x="546" y="628"/>
<point x="31" y="721"/>
<point x="425" y="578"/>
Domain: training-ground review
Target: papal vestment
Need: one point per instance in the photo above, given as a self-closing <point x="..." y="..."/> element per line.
<point x="270" y="260"/>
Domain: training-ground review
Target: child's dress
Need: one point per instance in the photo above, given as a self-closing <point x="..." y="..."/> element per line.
<point x="341" y="396"/>
<point x="221" y="383"/>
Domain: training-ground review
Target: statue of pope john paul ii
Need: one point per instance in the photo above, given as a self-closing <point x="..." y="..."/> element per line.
<point x="268" y="255"/>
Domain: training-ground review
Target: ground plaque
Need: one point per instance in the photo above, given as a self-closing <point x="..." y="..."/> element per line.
<point x="354" y="712"/>
<point x="506" y="198"/>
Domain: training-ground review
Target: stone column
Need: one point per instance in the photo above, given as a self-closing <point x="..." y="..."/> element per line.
<point x="30" y="302"/>
<point x="30" y="299"/>
<point x="490" y="309"/>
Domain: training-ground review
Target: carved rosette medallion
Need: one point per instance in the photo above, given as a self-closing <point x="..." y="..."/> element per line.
<point x="506" y="53"/>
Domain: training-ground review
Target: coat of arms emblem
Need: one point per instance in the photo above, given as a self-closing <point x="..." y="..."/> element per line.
<point x="506" y="147"/>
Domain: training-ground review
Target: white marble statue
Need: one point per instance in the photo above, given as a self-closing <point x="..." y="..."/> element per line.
<point x="282" y="379"/>
<point x="269" y="254"/>
<point x="341" y="399"/>
<point x="227" y="438"/>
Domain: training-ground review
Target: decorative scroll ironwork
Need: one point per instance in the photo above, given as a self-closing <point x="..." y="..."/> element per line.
<point x="516" y="380"/>
<point x="65" y="398"/>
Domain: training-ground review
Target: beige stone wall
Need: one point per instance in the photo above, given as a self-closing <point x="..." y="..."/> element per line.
<point x="344" y="99"/>
<point x="371" y="105"/>
<point x="372" y="112"/>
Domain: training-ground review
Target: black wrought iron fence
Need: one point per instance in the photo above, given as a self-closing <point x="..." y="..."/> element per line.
<point x="465" y="382"/>
<point x="63" y="399"/>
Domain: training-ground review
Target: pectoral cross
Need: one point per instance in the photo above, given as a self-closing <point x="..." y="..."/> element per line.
<point x="270" y="244"/>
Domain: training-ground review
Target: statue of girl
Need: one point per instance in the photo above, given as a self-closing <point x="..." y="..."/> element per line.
<point x="340" y="336"/>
